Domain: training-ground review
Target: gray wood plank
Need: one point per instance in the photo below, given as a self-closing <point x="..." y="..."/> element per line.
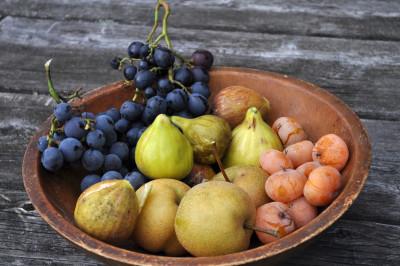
<point x="350" y="69"/>
<point x="351" y="19"/>
<point x="350" y="48"/>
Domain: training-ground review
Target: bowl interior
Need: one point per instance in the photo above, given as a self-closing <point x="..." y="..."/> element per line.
<point x="54" y="194"/>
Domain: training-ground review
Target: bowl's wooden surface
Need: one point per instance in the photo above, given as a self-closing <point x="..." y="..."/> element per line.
<point x="54" y="194"/>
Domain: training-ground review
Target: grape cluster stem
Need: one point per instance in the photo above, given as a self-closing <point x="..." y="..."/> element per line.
<point x="53" y="92"/>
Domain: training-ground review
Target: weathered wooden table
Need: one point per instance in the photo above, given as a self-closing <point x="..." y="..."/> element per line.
<point x="350" y="48"/>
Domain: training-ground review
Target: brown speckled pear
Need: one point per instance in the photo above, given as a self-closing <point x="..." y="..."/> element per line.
<point x="108" y="211"/>
<point x="251" y="179"/>
<point x="154" y="230"/>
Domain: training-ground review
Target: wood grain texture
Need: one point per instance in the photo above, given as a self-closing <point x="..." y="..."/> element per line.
<point x="350" y="48"/>
<point x="346" y="67"/>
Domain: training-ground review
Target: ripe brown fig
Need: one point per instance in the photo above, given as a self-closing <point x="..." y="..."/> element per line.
<point x="232" y="103"/>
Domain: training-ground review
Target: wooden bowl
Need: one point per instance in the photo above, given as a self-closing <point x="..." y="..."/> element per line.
<point x="319" y="112"/>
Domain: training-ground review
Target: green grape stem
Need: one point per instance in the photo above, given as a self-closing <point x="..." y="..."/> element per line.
<point x="76" y="94"/>
<point x="182" y="86"/>
<point x="164" y="33"/>
<point x="137" y="93"/>
<point x="52" y="91"/>
<point x="53" y="129"/>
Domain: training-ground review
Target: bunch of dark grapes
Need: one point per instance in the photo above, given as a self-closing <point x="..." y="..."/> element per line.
<point x="104" y="144"/>
<point x="164" y="85"/>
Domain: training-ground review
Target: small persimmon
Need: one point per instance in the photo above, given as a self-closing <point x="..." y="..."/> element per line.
<point x="302" y="211"/>
<point x="331" y="150"/>
<point x="323" y="185"/>
<point x="289" y="131"/>
<point x="272" y="161"/>
<point x="285" y="185"/>
<point x="300" y="152"/>
<point x="274" y="216"/>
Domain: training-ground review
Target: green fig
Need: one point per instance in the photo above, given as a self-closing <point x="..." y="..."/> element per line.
<point x="202" y="132"/>
<point x="249" y="139"/>
<point x="163" y="152"/>
<point x="108" y="211"/>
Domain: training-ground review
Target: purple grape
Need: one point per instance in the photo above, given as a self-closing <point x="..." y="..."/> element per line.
<point x="111" y="162"/>
<point x="96" y="139"/>
<point x="59" y="136"/>
<point x="134" y="49"/>
<point x="115" y="62"/>
<point x="52" y="159"/>
<point x="71" y="149"/>
<point x="202" y="58"/>
<point x="177" y="100"/>
<point x="155" y="106"/>
<point x="184" y="76"/>
<point x="111" y="175"/>
<point x="89" y="181"/>
<point x="42" y="143"/>
<point x="143" y="65"/>
<point x="104" y="123"/>
<point x="88" y="115"/>
<point x="63" y="111"/>
<point x="143" y="79"/>
<point x="165" y="85"/>
<point x="132" y="136"/>
<point x="200" y="74"/>
<point x="144" y="51"/>
<point x="164" y="57"/>
<point x="75" y="128"/>
<point x="120" y="149"/>
<point x="114" y="114"/>
<point x="202" y="88"/>
<point x="122" y="125"/>
<point x="197" y="104"/>
<point x="149" y="92"/>
<point x="136" y="179"/>
<point x="130" y="110"/>
<point x="92" y="160"/>
<point x="130" y="72"/>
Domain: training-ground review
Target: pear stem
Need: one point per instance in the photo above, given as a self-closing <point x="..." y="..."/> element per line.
<point x="270" y="232"/>
<point x="214" y="147"/>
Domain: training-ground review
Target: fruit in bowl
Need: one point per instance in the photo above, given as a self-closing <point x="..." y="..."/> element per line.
<point x="55" y="194"/>
<point x="119" y="114"/>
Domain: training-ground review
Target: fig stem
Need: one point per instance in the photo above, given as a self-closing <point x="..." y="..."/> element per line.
<point x="214" y="147"/>
<point x="266" y="231"/>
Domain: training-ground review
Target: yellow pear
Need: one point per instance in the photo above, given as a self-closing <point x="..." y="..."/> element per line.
<point x="154" y="229"/>
<point x="211" y="217"/>
<point x="251" y="179"/>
